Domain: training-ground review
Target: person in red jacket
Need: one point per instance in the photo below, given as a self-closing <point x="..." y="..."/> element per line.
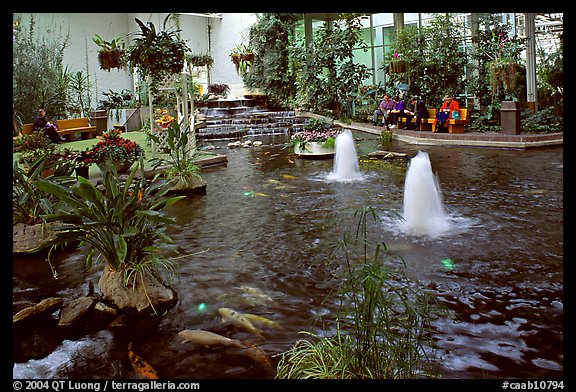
<point x="444" y="114"/>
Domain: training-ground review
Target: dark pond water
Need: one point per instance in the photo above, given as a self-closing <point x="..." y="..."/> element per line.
<point x="268" y="221"/>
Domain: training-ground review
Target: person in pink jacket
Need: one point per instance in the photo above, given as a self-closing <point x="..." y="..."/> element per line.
<point x="444" y="114"/>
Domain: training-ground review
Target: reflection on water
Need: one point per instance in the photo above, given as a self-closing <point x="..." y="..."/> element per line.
<point x="269" y="221"/>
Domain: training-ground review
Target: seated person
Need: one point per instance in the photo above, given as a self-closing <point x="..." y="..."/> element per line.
<point x="398" y="110"/>
<point x="41" y="124"/>
<point x="444" y="114"/>
<point x="417" y="109"/>
<point x="383" y="110"/>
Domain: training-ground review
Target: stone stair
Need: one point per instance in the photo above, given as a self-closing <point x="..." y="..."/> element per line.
<point x="236" y="118"/>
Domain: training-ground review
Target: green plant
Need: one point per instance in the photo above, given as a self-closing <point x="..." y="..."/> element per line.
<point x="315" y="130"/>
<point x="112" y="53"/>
<point x="122" y="225"/>
<point x="329" y="82"/>
<point x="218" y="88"/>
<point x="273" y="70"/>
<point x="383" y="321"/>
<point x="243" y="57"/>
<point x="38" y="74"/>
<point x="179" y="164"/>
<point x="157" y="53"/>
<point x="199" y="60"/>
<point x="386" y="136"/>
<point x="118" y="100"/>
<point x="112" y="145"/>
<point x="28" y="202"/>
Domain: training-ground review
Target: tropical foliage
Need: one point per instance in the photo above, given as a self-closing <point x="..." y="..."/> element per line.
<point x="122" y="225"/>
<point x="329" y="82"/>
<point x="178" y="165"/>
<point x="39" y="77"/>
<point x="157" y="53"/>
<point x="435" y="63"/>
<point x="273" y="69"/>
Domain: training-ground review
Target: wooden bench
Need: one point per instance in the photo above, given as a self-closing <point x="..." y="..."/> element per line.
<point x="426" y="124"/>
<point x="68" y="127"/>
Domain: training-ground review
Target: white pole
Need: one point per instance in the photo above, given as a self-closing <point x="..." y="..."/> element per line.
<point x="150" y="112"/>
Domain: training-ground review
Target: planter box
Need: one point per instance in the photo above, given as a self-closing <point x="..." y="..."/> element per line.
<point x="314" y="150"/>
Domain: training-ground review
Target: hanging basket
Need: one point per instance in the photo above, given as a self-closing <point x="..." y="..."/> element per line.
<point x="397" y="66"/>
<point x="109" y="59"/>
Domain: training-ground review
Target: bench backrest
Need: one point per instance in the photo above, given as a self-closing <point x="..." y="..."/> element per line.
<point x="463" y="114"/>
<point x="72" y="123"/>
<point x="27" y="129"/>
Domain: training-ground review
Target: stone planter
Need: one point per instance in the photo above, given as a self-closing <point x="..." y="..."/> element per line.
<point x="147" y="296"/>
<point x="314" y="150"/>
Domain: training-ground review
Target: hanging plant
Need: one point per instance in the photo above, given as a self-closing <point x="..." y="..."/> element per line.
<point x="242" y="57"/>
<point x="200" y="60"/>
<point x="157" y="54"/>
<point x="397" y="64"/>
<point x="503" y="72"/>
<point x="112" y="53"/>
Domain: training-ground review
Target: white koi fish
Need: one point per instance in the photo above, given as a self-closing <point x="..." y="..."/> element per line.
<point x="238" y="319"/>
<point x="207" y="338"/>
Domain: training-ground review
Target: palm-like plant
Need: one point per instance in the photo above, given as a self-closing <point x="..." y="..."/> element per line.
<point x="122" y="224"/>
<point x="157" y="53"/>
<point x="179" y="164"/>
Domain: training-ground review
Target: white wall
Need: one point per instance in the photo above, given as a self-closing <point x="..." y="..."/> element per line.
<point x="82" y="53"/>
<point x="228" y="32"/>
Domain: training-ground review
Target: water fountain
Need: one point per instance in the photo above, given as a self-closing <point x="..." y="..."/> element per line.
<point x="345" y="159"/>
<point x="422" y="208"/>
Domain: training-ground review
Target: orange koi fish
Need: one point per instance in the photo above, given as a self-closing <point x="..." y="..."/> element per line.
<point x="141" y="367"/>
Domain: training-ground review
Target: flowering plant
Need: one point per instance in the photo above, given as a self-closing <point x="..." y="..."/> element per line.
<point x="315" y="130"/>
<point x="162" y="117"/>
<point x="113" y="145"/>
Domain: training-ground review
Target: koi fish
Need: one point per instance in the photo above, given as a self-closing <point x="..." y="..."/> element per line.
<point x="262" y="321"/>
<point x="255" y="293"/>
<point x="288" y="176"/>
<point x="257" y="354"/>
<point x="239" y="320"/>
<point x="207" y="338"/>
<point x="140" y="366"/>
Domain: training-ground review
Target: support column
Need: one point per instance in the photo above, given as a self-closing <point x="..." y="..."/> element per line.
<point x="531" y="86"/>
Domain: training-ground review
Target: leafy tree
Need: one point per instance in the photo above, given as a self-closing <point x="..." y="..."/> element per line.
<point x="39" y="78"/>
<point x="272" y="70"/>
<point x="494" y="45"/>
<point x="435" y="61"/>
<point x="328" y="78"/>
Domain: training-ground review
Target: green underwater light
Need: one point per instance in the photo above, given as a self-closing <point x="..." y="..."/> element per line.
<point x="447" y="263"/>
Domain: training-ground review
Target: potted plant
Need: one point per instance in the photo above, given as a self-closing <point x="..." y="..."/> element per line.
<point x="242" y="57"/>
<point x="199" y="60"/>
<point x="38" y="147"/>
<point x="157" y="53"/>
<point x="122" y="226"/>
<point x="30" y="230"/>
<point x="219" y="89"/>
<point x="317" y="138"/>
<point x="112" y="54"/>
<point x="123" y="152"/>
<point x="179" y="164"/>
<point x="162" y="118"/>
<point x="397" y="64"/>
